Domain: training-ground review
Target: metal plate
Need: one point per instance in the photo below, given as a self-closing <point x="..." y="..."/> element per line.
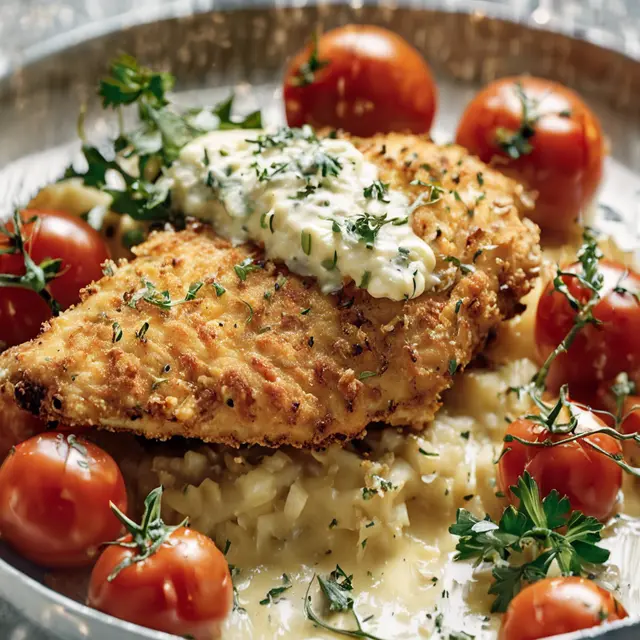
<point x="245" y="45"/>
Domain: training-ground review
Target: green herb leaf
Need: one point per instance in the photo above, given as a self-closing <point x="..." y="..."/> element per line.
<point x="162" y="299"/>
<point x="305" y="241"/>
<point x="275" y="595"/>
<point x="220" y="290"/>
<point x="464" y="268"/>
<point x="366" y="227"/>
<point x="141" y="333"/>
<point x="377" y="190"/>
<point x="546" y="527"/>
<point x="117" y="332"/>
<point x="245" y="267"/>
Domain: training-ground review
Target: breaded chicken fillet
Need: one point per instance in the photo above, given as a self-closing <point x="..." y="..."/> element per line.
<point x="271" y="359"/>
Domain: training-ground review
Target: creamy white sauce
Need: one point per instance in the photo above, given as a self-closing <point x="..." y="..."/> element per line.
<point x="314" y="203"/>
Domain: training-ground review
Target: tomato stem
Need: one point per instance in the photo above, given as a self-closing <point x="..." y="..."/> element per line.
<point x="148" y="536"/>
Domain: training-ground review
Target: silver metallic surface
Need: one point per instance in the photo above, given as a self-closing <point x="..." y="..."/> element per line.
<point x="49" y="66"/>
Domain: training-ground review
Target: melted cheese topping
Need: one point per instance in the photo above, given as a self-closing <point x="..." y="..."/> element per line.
<point x="314" y="203"/>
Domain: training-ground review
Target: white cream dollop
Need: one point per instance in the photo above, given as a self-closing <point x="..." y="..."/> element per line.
<point x="314" y="203"/>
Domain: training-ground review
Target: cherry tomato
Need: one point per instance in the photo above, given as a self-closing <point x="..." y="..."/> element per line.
<point x="587" y="477"/>
<point x="542" y="134"/>
<point x="362" y="79"/>
<point x="598" y="352"/>
<point x="55" y="491"/>
<point x="558" y="605"/>
<point x="183" y="588"/>
<point x="54" y="235"/>
<point x="16" y="425"/>
<point x="629" y="411"/>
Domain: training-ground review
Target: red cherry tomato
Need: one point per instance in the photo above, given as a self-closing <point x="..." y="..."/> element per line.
<point x="365" y="80"/>
<point x="599" y="352"/>
<point x="629" y="411"/>
<point x="587" y="477"/>
<point x="55" y="491"/>
<point x="183" y="588"/>
<point x="558" y="605"/>
<point x="54" y="235"/>
<point x="560" y="154"/>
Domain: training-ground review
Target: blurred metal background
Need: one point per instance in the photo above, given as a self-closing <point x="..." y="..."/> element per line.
<point x="26" y="24"/>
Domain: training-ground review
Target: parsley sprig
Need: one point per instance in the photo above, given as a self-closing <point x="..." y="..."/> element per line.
<point x="337" y="589"/>
<point x="154" y="145"/>
<point x="546" y="528"/>
<point x="151" y="294"/>
<point x="366" y="227"/>
<point x="36" y="276"/>
<point x="148" y="536"/>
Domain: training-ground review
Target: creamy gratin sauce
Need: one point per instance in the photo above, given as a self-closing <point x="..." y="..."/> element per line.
<point x="313" y="203"/>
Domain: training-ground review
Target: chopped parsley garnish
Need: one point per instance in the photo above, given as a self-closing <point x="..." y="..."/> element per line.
<point x="337" y="592"/>
<point x="193" y="291"/>
<point x="245" y="267"/>
<point x="433" y="195"/>
<point x="323" y="163"/>
<point x="330" y="265"/>
<point x="547" y="528"/>
<point x="430" y="454"/>
<point x="219" y="289"/>
<point x="162" y="299"/>
<point x="117" y="332"/>
<point x="305" y="242"/>
<point x="308" y="190"/>
<point x="377" y="190"/>
<point x="453" y="366"/>
<point x="366" y="278"/>
<point x="307" y="71"/>
<point x="281" y="138"/>
<point x="364" y="375"/>
<point x="250" y="310"/>
<point x="141" y="333"/>
<point x="333" y="523"/>
<point x="275" y="595"/>
<point x="366" y="227"/>
<point x="379" y="486"/>
<point x="464" y="268"/>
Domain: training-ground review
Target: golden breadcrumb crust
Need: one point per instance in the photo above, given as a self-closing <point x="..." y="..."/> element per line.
<point x="294" y="367"/>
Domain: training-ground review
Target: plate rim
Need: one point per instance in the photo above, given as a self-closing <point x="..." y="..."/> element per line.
<point x="176" y="9"/>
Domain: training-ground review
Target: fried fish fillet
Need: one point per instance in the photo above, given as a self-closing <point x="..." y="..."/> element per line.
<point x="272" y="360"/>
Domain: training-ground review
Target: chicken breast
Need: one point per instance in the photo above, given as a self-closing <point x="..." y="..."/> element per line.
<point x="272" y="360"/>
